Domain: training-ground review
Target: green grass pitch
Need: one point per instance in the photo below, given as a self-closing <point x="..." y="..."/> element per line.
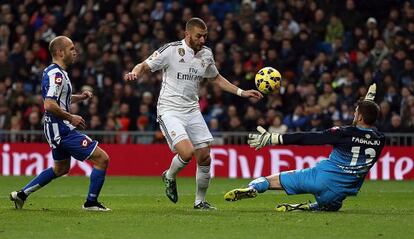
<point x="140" y="210"/>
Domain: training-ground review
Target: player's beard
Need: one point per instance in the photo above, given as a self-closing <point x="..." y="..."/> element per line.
<point x="69" y="60"/>
<point x="194" y="45"/>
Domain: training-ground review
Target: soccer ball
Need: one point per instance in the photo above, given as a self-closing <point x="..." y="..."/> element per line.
<point x="268" y="80"/>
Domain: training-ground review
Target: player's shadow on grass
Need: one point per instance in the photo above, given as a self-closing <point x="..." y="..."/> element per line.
<point x="59" y="212"/>
<point x="191" y="211"/>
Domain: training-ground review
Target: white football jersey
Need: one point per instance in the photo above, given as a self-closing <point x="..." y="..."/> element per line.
<point x="182" y="73"/>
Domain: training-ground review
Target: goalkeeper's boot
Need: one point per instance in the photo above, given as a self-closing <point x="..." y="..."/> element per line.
<point x="170" y="187"/>
<point x="18" y="197"/>
<point x="95" y="206"/>
<point x="204" y="206"/>
<point x="286" y="207"/>
<point x="240" y="193"/>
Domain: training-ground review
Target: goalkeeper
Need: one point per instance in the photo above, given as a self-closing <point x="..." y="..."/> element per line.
<point x="356" y="148"/>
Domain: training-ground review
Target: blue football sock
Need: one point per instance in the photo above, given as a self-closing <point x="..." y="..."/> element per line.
<point x="97" y="180"/>
<point x="260" y="184"/>
<point x="39" y="181"/>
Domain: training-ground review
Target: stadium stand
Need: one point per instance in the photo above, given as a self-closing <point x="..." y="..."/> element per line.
<point x="328" y="52"/>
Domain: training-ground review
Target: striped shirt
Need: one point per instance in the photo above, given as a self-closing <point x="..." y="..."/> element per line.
<point x="56" y="85"/>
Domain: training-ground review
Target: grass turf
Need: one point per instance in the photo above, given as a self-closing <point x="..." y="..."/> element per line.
<point x="140" y="210"/>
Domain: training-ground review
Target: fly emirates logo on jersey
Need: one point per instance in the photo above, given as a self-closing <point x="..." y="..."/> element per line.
<point x="192" y="75"/>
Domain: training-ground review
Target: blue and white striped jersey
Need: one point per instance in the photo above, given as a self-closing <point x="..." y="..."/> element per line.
<point x="56" y="85"/>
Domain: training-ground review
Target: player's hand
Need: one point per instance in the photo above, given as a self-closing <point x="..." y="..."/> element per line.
<point x="252" y="93"/>
<point x="77" y="121"/>
<point x="86" y="95"/>
<point x="130" y="76"/>
<point x="371" y="92"/>
<point x="258" y="141"/>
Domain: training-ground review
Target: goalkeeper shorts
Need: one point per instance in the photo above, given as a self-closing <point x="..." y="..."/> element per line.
<point x="313" y="181"/>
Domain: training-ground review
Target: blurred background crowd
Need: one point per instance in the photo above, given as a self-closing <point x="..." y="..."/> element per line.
<point x="328" y="51"/>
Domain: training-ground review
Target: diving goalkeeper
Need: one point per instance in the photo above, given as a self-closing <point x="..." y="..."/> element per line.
<point x="356" y="148"/>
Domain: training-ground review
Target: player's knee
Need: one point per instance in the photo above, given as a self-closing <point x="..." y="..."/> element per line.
<point x="103" y="160"/>
<point x="187" y="155"/>
<point x="203" y="155"/>
<point x="204" y="160"/>
<point x="60" y="171"/>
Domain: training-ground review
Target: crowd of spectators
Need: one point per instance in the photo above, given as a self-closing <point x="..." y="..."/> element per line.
<point x="328" y="52"/>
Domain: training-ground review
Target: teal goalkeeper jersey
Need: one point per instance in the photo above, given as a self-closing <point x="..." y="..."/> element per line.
<point x="355" y="151"/>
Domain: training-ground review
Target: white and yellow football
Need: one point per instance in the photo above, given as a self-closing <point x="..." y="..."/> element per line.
<point x="268" y="80"/>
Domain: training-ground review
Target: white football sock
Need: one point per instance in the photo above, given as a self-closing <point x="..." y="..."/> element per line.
<point x="177" y="164"/>
<point x="202" y="181"/>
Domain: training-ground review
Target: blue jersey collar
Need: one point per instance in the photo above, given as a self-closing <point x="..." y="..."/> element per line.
<point x="364" y="129"/>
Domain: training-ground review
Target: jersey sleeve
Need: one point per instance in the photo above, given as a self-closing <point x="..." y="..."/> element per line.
<point x="330" y="136"/>
<point x="211" y="70"/>
<point x="159" y="59"/>
<point x="54" y="85"/>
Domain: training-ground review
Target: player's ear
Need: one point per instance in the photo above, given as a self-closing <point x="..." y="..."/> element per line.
<point x="360" y="118"/>
<point x="60" y="52"/>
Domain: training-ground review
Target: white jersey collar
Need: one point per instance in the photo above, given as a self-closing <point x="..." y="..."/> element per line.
<point x="187" y="47"/>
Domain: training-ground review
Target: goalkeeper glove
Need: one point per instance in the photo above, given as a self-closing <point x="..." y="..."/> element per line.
<point x="371" y="92"/>
<point x="258" y="141"/>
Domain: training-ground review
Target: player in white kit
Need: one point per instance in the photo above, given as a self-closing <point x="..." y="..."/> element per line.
<point x="184" y="65"/>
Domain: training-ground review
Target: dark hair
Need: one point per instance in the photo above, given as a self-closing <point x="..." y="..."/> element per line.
<point x="369" y="111"/>
<point x="195" y="22"/>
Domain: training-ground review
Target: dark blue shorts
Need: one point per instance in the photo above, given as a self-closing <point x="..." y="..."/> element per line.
<point x="74" y="144"/>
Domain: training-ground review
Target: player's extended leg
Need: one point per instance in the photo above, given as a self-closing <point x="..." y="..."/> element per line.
<point x="100" y="160"/>
<point x="60" y="168"/>
<point x="202" y="178"/>
<point x="259" y="185"/>
<point x="184" y="154"/>
<point x="300" y="182"/>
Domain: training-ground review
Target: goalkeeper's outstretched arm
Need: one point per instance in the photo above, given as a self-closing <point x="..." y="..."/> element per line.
<point x="310" y="138"/>
<point x="330" y="136"/>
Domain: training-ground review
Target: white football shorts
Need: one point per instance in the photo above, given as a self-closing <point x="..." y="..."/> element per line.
<point x="177" y="126"/>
